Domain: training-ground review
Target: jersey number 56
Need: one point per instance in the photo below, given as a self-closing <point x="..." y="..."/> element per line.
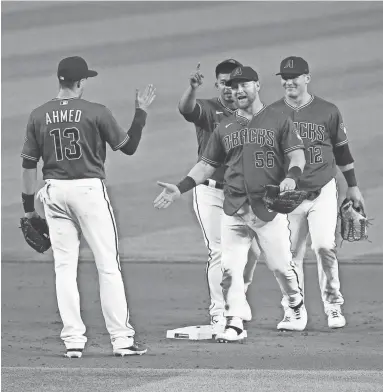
<point x="264" y="159"/>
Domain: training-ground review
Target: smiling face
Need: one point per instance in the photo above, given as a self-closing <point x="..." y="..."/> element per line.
<point x="295" y="86"/>
<point x="245" y="92"/>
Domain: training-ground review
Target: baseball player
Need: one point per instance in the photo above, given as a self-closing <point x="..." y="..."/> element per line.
<point x="253" y="143"/>
<point x="322" y="129"/>
<point x="208" y="197"/>
<point x="70" y="135"/>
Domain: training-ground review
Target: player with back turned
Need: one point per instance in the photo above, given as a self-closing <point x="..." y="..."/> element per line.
<point x="208" y="197"/>
<point x="322" y="129"/>
<point x="70" y="135"/>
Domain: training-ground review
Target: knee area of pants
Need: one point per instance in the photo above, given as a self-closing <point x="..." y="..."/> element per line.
<point x="63" y="265"/>
<point x="280" y="272"/>
<point x="325" y="252"/>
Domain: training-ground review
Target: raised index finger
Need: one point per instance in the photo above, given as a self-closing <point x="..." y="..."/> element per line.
<point x="198" y="66"/>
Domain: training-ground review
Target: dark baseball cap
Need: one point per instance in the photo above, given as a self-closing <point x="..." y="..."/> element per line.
<point x="73" y="69"/>
<point x="293" y="65"/>
<point x="242" y="73"/>
<point x="226" y="66"/>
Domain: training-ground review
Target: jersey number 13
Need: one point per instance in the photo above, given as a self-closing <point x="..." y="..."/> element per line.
<point x="74" y="150"/>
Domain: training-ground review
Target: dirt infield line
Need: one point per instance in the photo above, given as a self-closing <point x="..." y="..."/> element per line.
<point x="89" y="379"/>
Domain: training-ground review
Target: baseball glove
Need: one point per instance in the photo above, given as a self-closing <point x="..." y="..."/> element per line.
<point x="36" y="233"/>
<point x="284" y="202"/>
<point x="353" y="222"/>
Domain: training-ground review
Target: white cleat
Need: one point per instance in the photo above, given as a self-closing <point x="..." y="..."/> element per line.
<point x="335" y="318"/>
<point x="218" y="324"/>
<point x="295" y="319"/>
<point x="230" y="335"/>
<point x="73" y="353"/>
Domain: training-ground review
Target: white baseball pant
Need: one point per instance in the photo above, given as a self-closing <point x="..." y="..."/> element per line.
<point x="318" y="218"/>
<point x="238" y="232"/>
<point x="82" y="206"/>
<point x="208" y="207"/>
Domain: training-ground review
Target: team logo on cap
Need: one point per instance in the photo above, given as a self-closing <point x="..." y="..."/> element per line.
<point x="289" y="64"/>
<point x="237" y="71"/>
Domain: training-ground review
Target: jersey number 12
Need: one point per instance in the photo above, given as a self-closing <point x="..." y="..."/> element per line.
<point x="74" y="150"/>
<point x="315" y="155"/>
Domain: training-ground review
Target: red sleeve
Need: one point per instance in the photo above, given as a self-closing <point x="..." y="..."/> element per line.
<point x="111" y="132"/>
<point x="337" y="129"/>
<point x="214" y="153"/>
<point x="290" y="138"/>
<point x="31" y="149"/>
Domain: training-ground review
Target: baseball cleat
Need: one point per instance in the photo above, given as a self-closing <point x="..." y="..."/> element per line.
<point x="335" y="318"/>
<point x="73" y="353"/>
<point x="295" y="319"/>
<point x="218" y="324"/>
<point x="230" y="335"/>
<point x="135" y="349"/>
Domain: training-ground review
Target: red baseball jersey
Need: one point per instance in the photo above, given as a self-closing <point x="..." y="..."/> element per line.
<point x="70" y="136"/>
<point x="206" y="116"/>
<point x="321" y="127"/>
<point x="255" y="155"/>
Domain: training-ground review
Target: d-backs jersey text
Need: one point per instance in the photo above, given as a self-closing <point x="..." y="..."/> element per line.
<point x="207" y="114"/>
<point x="255" y="156"/>
<point x="70" y="136"/>
<point x="321" y="127"/>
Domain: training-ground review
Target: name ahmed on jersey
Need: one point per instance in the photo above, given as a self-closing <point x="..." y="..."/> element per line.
<point x="63" y="116"/>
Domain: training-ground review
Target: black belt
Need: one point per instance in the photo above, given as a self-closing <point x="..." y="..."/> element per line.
<point x="213" y="184"/>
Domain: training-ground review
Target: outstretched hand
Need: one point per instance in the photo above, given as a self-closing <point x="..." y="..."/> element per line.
<point x="145" y="99"/>
<point x="167" y="196"/>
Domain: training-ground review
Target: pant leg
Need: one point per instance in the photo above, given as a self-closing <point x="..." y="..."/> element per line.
<point x="95" y="215"/>
<point x="322" y="220"/>
<point x="299" y="229"/>
<point x="236" y="240"/>
<point x="274" y="240"/>
<point x="207" y="203"/>
<point x="252" y="259"/>
<point x="65" y="239"/>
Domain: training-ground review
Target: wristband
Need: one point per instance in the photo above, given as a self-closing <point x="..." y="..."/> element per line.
<point x="186" y="184"/>
<point x="28" y="202"/>
<point x="349" y="175"/>
<point x="294" y="173"/>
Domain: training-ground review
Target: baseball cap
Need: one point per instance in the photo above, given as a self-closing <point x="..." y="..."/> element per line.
<point x="73" y="69"/>
<point x="243" y="73"/>
<point x="226" y="65"/>
<point x="293" y="65"/>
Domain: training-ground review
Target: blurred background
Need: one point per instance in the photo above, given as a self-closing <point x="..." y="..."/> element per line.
<point x="132" y="44"/>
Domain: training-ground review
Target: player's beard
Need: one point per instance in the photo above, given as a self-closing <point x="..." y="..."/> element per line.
<point x="245" y="103"/>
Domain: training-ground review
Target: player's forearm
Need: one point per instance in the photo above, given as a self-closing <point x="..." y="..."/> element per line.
<point x="297" y="164"/>
<point x="135" y="132"/>
<point x="349" y="174"/>
<point x="197" y="175"/>
<point x="188" y="100"/>
<point x="28" y="188"/>
<point x="297" y="158"/>
<point x="29" y="181"/>
<point x="201" y="172"/>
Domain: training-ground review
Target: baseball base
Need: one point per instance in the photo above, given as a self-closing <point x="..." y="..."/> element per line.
<point x="194" y="332"/>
